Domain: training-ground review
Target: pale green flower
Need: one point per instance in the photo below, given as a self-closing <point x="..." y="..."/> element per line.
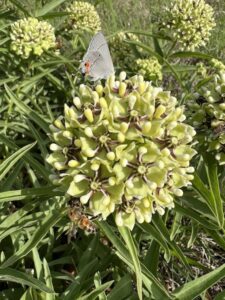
<point x="83" y="16"/>
<point x="122" y="148"/>
<point x="207" y="115"/>
<point x="30" y="36"/>
<point x="150" y="68"/>
<point x="217" y="64"/>
<point x="190" y="23"/>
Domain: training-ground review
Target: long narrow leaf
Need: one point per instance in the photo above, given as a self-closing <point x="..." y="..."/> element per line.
<point x="153" y="285"/>
<point x="212" y="173"/>
<point x="9" y="274"/>
<point x="48" y="7"/>
<point x="26" y="194"/>
<point x="8" y="163"/>
<point x="194" y="288"/>
<point x="95" y="293"/>
<point x="38" y="235"/>
<point x="125" y="233"/>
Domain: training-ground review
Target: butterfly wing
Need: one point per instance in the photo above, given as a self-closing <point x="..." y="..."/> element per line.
<point x="99" y="68"/>
<point x="98" y="53"/>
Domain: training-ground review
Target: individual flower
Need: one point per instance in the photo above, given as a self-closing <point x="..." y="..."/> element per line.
<point x="207" y="115"/>
<point x="30" y="36"/>
<point x="217" y="64"/>
<point x="149" y="68"/>
<point x="122" y="51"/>
<point x="122" y="148"/>
<point x="83" y="16"/>
<point x="189" y="22"/>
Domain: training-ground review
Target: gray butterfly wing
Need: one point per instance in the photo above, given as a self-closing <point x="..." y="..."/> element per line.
<point x="96" y="42"/>
<point x="98" y="53"/>
<point x="100" y="67"/>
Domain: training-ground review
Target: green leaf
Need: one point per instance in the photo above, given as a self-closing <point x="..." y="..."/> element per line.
<point x="9" y="274"/>
<point x="189" y="54"/>
<point x="194" y="288"/>
<point x="176" y="225"/>
<point x="17" y="215"/>
<point x="17" y="195"/>
<point x="156" y="235"/>
<point x="158" y="48"/>
<point x="9" y="181"/>
<point x="151" y="282"/>
<point x="212" y="173"/>
<point x="203" y="191"/>
<point x="48" y="7"/>
<point x="190" y="213"/>
<point x="39" y="139"/>
<point x="20" y="7"/>
<point x="28" y="158"/>
<point x="95" y="293"/>
<point x="98" y="284"/>
<point x="37" y="263"/>
<point x="51" y="219"/>
<point x="219" y="239"/>
<point x="220" y="296"/>
<point x="125" y="233"/>
<point x="88" y="253"/>
<point x="9" y="162"/>
<point x="159" y="224"/>
<point x="73" y="291"/>
<point x="48" y="280"/>
<point x="122" y="290"/>
<point x="152" y="257"/>
<point x="33" y="115"/>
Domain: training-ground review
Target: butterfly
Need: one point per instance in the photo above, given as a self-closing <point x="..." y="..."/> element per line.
<point x="97" y="62"/>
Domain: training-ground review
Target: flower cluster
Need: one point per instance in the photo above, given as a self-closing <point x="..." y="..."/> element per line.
<point x="30" y="36"/>
<point x="122" y="148"/>
<point x="190" y="23"/>
<point x="122" y="51"/>
<point x="84" y="16"/>
<point x="149" y="68"/>
<point x="207" y="115"/>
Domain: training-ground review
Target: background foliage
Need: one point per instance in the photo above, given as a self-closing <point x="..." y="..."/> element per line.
<point x="177" y="256"/>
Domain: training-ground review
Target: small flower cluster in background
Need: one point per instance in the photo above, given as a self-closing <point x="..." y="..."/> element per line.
<point x="189" y="22"/>
<point x="149" y="68"/>
<point x="123" y="56"/>
<point x="207" y="115"/>
<point x="30" y="36"/>
<point x="123" y="147"/>
<point x="83" y="16"/>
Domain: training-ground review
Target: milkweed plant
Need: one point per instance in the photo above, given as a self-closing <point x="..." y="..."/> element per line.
<point x="115" y="186"/>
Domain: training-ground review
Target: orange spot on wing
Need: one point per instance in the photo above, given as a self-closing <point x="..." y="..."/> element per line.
<point x="87" y="67"/>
